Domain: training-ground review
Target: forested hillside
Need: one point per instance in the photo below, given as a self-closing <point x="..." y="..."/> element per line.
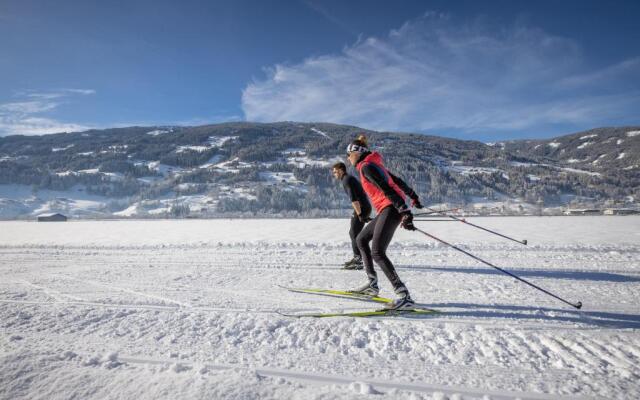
<point x="284" y="168"/>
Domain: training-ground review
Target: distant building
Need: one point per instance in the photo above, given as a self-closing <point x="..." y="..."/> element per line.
<point x="620" y="211"/>
<point x="582" y="211"/>
<point x="56" y="217"/>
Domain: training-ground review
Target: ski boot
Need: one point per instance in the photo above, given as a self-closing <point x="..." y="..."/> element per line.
<point x="355" y="263"/>
<point x="349" y="263"/>
<point x="404" y="302"/>
<point x="369" y="289"/>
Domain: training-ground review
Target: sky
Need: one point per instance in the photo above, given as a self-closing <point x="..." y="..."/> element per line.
<point x="477" y="70"/>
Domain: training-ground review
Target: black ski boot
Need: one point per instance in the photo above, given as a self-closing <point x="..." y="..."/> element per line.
<point x="355" y="263"/>
<point x="370" y="288"/>
<point x="404" y="302"/>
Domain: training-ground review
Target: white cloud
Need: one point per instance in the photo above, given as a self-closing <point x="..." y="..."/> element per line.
<point x="434" y="73"/>
<point x="24" y="117"/>
<point x="27" y="107"/>
<point x="38" y="126"/>
<point x="80" y="91"/>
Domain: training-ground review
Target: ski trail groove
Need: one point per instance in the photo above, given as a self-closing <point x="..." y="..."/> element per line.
<point x="55" y="294"/>
<point x="113" y="287"/>
<point x="318" y="378"/>
<point x="137" y="306"/>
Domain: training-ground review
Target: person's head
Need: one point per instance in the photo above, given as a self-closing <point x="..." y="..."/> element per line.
<point x="357" y="148"/>
<point x="339" y="170"/>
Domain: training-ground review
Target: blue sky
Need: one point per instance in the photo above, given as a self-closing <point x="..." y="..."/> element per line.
<point x="482" y="70"/>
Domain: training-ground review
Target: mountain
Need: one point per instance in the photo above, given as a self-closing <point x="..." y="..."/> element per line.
<point x="599" y="150"/>
<point x="254" y="169"/>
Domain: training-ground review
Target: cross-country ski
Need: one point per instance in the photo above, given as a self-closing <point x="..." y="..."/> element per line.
<point x="340" y="293"/>
<point x="366" y="314"/>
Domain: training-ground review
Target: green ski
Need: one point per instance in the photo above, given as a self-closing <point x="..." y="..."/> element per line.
<point x="339" y="293"/>
<point x="364" y="314"/>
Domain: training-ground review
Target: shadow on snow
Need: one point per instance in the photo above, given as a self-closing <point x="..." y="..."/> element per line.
<point x="555" y="274"/>
<point x="595" y="318"/>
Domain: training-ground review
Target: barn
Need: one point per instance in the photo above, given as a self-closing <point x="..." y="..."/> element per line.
<point x="56" y="217"/>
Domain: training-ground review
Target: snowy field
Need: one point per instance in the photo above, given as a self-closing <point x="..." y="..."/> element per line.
<point x="187" y="309"/>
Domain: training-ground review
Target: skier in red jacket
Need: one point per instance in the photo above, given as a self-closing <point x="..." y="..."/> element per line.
<point x="387" y="193"/>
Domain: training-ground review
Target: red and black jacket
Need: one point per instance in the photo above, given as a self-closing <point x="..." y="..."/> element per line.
<point x="382" y="187"/>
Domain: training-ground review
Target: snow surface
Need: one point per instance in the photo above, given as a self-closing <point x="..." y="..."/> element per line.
<point x="632" y="133"/>
<point x="218" y="141"/>
<point x="585" y="144"/>
<point x="212" y="142"/>
<point x="319" y="132"/>
<point x="167" y="309"/>
<point x="470" y="170"/>
<point x="522" y="164"/>
<point x="197" y="149"/>
<point x="279" y="177"/>
<point x="212" y="161"/>
<point x="597" y="160"/>
<point x="580" y="171"/>
<point x="233" y="166"/>
<point x="302" y="162"/>
<point x="163" y="169"/>
<point x="533" y="178"/>
<point x="57" y="149"/>
<point x="75" y="200"/>
<point x="157" y="132"/>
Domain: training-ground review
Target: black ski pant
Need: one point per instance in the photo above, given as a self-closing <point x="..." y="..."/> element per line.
<point x="356" y="228"/>
<point x="380" y="232"/>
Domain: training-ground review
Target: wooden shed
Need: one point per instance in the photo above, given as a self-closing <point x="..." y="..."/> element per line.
<point x="55" y="217"/>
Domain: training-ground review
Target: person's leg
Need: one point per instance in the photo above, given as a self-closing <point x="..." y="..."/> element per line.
<point x="363" y="239"/>
<point x="382" y="235"/>
<point x="356" y="228"/>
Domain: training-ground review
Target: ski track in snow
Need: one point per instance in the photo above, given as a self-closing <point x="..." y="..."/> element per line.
<point x="141" y="318"/>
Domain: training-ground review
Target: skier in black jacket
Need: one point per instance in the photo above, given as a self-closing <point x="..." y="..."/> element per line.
<point x="361" y="210"/>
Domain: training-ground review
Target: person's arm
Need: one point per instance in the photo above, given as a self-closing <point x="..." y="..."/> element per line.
<point x="403" y="186"/>
<point x="349" y="186"/>
<point x="356" y="207"/>
<point x="375" y="176"/>
<point x="415" y="200"/>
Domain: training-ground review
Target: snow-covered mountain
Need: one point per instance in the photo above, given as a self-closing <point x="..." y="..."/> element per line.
<point x="284" y="168"/>
<point x="599" y="150"/>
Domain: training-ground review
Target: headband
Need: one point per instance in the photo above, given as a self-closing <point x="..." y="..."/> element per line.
<point x="356" y="148"/>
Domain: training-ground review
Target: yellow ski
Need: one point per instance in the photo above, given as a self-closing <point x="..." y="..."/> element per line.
<point x="339" y="293"/>
<point x="364" y="314"/>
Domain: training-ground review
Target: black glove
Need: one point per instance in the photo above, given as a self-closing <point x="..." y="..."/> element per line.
<point x="416" y="203"/>
<point x="407" y="221"/>
<point x="364" y="218"/>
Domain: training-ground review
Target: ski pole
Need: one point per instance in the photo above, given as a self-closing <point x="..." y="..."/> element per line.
<point x="435" y="220"/>
<point x="524" y="241"/>
<point x="577" y="305"/>
<point x="435" y="212"/>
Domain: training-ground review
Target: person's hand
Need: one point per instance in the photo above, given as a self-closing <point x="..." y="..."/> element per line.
<point x="407" y="221"/>
<point x="416" y="203"/>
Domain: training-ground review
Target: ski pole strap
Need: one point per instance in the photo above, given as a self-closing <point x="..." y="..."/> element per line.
<point x="577" y="305"/>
